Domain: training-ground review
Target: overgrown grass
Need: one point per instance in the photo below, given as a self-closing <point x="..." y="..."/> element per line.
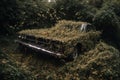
<point x="10" y="71"/>
<point x="100" y="62"/>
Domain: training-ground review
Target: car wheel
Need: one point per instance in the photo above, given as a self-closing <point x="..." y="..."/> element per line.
<point x="75" y="55"/>
<point x="72" y="56"/>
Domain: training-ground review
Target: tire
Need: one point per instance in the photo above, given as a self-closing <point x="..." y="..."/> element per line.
<point x="74" y="55"/>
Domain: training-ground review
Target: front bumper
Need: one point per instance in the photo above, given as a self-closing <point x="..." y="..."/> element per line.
<point x="40" y="49"/>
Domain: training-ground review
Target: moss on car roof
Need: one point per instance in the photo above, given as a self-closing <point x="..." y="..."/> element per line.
<point x="63" y="31"/>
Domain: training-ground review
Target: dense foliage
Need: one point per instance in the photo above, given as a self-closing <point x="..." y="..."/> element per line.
<point x="101" y="62"/>
<point x="8" y="15"/>
<point x="93" y="65"/>
<point x="19" y="14"/>
<point x="10" y="71"/>
<point x="107" y="19"/>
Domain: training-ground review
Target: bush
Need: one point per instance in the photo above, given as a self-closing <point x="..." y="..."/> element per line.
<point x="95" y="3"/>
<point x="8" y="15"/>
<point x="10" y="71"/>
<point x="74" y="10"/>
<point x="18" y="14"/>
<point x="100" y="63"/>
<point x="107" y="20"/>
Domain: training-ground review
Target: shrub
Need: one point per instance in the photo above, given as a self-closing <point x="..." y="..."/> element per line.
<point x="100" y="63"/>
<point x="19" y="14"/>
<point x="74" y="10"/>
<point x="107" y="20"/>
<point x="10" y="71"/>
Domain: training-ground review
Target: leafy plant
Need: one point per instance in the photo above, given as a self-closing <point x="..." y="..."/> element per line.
<point x="10" y="71"/>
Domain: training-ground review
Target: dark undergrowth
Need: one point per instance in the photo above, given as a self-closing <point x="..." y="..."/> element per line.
<point x="102" y="62"/>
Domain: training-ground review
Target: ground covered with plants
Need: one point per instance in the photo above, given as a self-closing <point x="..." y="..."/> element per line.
<point x="102" y="62"/>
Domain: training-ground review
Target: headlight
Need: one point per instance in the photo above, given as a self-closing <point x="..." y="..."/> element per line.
<point x="19" y="36"/>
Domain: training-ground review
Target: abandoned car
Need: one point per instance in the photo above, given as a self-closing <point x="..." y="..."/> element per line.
<point x="67" y="39"/>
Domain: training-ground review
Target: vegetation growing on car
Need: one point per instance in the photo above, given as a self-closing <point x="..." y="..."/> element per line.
<point x="100" y="62"/>
<point x="68" y="34"/>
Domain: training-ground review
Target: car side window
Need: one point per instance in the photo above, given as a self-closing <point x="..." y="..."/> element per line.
<point x="90" y="27"/>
